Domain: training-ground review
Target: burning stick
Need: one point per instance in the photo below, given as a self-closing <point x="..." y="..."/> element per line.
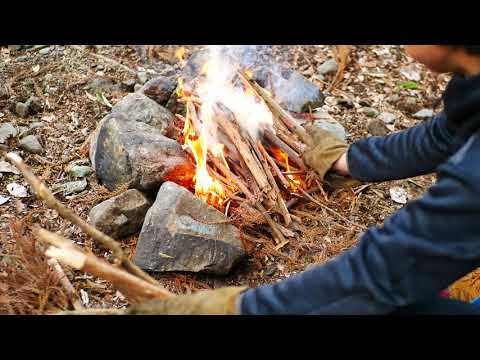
<point x="277" y="235"/>
<point x="106" y="241"/>
<point x="274" y="140"/>
<point x="288" y="139"/>
<point x="276" y="169"/>
<point x="233" y="133"/>
<point x="64" y="251"/>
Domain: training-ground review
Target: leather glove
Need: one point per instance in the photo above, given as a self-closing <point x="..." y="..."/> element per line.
<point x="325" y="150"/>
<point x="221" y="301"/>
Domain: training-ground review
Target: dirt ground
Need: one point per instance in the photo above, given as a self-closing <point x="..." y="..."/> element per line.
<point x="373" y="78"/>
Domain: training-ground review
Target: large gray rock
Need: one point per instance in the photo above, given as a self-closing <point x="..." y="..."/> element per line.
<point x="121" y="215"/>
<point x="291" y="89"/>
<point x="159" y="89"/>
<point x="182" y="233"/>
<point x="124" y="151"/>
<point x="138" y="107"/>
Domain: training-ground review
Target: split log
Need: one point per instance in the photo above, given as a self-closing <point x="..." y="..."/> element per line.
<point x="67" y="253"/>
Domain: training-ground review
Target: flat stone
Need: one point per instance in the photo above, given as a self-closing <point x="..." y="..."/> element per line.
<point x="387" y="118"/>
<point x="138" y="107"/>
<point x="30" y="144"/>
<point x="424" y="114"/>
<point x="121" y="215"/>
<point x="182" y="233"/>
<point x="159" y="89"/>
<point x="332" y="126"/>
<point x="328" y="67"/>
<point x="79" y="171"/>
<point x="7" y="131"/>
<point x="377" y="127"/>
<point x="124" y="151"/>
<point x="72" y="187"/>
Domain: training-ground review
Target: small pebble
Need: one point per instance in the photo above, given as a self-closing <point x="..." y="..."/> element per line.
<point x="44" y="51"/>
<point x="387" y="118"/>
<point x="30" y="144"/>
<point x="21" y="109"/>
<point x="424" y="114"/>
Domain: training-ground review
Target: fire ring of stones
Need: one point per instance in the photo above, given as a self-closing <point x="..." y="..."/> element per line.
<point x="198" y="153"/>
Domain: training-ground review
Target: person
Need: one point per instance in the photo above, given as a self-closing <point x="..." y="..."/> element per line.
<point x="402" y="266"/>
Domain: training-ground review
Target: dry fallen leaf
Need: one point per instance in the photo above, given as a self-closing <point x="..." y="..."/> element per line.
<point x="17" y="190"/>
<point x="398" y="194"/>
<point x="4" y="199"/>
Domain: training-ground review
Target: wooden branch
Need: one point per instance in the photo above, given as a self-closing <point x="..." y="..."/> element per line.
<point x="283" y="180"/>
<point x="67" y="253"/>
<point x="104" y="240"/>
<point x="291" y="141"/>
<point x="233" y="133"/>
<point x="282" y="207"/>
<point x="292" y="155"/>
<point x="66" y="284"/>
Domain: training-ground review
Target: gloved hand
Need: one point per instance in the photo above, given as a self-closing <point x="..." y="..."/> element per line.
<point x="221" y="301"/>
<point x="325" y="150"/>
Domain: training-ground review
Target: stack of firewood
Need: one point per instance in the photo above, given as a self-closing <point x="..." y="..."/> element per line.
<point x="256" y="172"/>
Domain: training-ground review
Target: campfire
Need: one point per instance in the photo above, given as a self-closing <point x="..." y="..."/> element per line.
<point x="246" y="148"/>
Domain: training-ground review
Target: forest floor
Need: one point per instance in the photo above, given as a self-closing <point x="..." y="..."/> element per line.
<point x="378" y="77"/>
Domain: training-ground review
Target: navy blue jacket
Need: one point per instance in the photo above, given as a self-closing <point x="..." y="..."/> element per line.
<point x="420" y="249"/>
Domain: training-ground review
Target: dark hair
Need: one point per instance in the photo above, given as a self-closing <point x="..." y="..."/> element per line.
<point x="472" y="49"/>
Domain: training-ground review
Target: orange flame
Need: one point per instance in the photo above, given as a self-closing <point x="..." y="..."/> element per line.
<point x="295" y="180"/>
<point x="207" y="188"/>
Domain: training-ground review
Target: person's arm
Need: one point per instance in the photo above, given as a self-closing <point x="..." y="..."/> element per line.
<point x="408" y="153"/>
<point x="419" y="251"/>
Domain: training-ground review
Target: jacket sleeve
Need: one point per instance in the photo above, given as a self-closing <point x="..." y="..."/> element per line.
<point x="420" y="250"/>
<point x="408" y="153"/>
